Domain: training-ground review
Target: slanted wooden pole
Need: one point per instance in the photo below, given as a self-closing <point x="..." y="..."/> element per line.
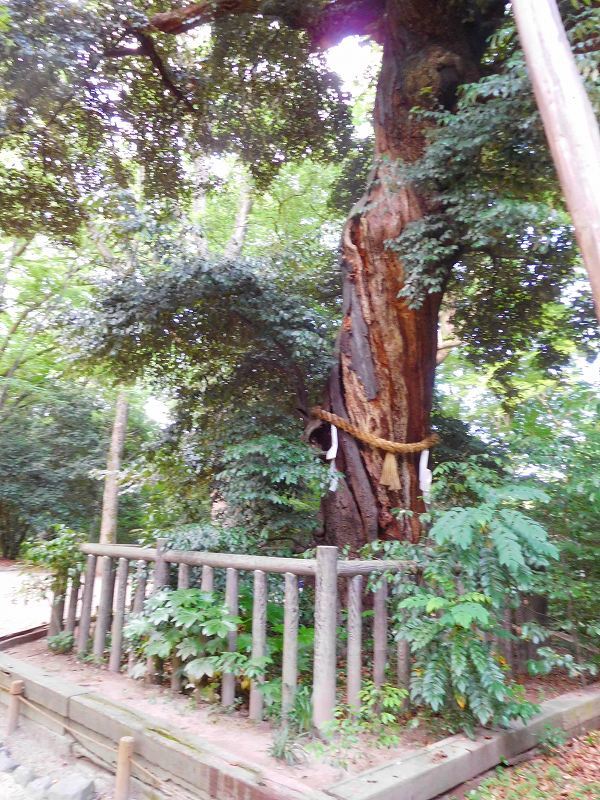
<point x="116" y="636"/>
<point x="14" y="704"/>
<point x="123" y="775"/>
<point x="110" y="498"/>
<point x="231" y="601"/>
<point x="291" y="614"/>
<point x="83" y="631"/>
<point x="259" y="639"/>
<point x="354" y="657"/>
<point x="569" y="121"/>
<point x="380" y="629"/>
<point x="324" y="666"/>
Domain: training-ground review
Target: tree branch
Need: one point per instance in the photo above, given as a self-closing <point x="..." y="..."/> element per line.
<point x="147" y="48"/>
<point x="326" y="26"/>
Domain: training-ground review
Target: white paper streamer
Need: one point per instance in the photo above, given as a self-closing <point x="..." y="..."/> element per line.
<point x="330" y="456"/>
<point x="425" y="475"/>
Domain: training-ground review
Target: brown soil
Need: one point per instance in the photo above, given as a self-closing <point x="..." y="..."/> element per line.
<point x="235" y="735"/>
<point x="241" y="740"/>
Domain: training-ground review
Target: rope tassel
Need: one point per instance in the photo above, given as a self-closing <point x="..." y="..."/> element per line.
<point x="390" y="476"/>
<point x="389" y="473"/>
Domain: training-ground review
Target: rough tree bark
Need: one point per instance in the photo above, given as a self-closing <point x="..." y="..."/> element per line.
<point x="110" y="498"/>
<point x="383" y="379"/>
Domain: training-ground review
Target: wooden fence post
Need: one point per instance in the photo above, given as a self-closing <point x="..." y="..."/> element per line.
<point x="291" y="613"/>
<point x="56" y="614"/>
<point x="137" y="602"/>
<point x="161" y="567"/>
<point x="123" y="775"/>
<point x="231" y="600"/>
<point x="105" y="607"/>
<point x="380" y="628"/>
<point x="259" y="639"/>
<point x="324" y="666"/>
<point x="14" y="704"/>
<point x="183" y="576"/>
<point x="83" y="632"/>
<point x="354" y="658"/>
<point x="116" y="636"/>
<point x="208" y="579"/>
<point x="73" y="600"/>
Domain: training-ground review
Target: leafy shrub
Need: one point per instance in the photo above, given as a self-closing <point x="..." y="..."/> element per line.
<point x="187" y="630"/>
<point x="61" y="643"/>
<point x="59" y="556"/>
<point x="477" y="558"/>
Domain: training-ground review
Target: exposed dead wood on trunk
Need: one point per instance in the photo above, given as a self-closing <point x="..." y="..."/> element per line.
<point x="383" y="381"/>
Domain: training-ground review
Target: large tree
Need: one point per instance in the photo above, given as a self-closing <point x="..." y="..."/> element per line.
<point x="176" y="96"/>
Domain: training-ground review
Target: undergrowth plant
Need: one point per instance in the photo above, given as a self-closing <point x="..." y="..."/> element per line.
<point x="378" y="717"/>
<point x="58" y="558"/>
<point x="187" y="629"/>
<point x="474" y="563"/>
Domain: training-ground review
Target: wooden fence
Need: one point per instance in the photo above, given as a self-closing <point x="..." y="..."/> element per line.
<point x="125" y="573"/>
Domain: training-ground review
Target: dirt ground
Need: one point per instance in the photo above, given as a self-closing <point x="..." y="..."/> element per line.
<point x="234" y="734"/>
<point x="239" y="739"/>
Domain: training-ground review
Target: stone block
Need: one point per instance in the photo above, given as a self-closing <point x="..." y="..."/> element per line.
<point x="38" y="788"/>
<point x="72" y="787"/>
<point x="23" y="775"/>
<point x="6" y="762"/>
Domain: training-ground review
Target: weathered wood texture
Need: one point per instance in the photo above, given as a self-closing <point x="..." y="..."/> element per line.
<point x="383" y="379"/>
<point x="569" y="121"/>
<point x="380" y="633"/>
<point x="73" y="602"/>
<point x="354" y="656"/>
<point x="83" y="631"/>
<point x="105" y="607"/>
<point x="259" y="639"/>
<point x="231" y="601"/>
<point x="116" y="635"/>
<point x="291" y="615"/>
<point x="324" y="667"/>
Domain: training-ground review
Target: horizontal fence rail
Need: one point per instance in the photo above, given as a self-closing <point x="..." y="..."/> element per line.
<point x="129" y="574"/>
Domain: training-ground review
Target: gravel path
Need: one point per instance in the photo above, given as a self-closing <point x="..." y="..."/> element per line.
<point x="19" y="611"/>
<point x="9" y="790"/>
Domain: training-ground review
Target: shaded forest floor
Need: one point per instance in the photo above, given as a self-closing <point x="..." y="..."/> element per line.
<point x="571" y="771"/>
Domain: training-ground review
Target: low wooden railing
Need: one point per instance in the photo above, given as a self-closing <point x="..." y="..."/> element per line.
<point x="328" y="572"/>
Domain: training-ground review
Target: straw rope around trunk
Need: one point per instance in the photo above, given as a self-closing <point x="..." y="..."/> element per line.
<point x="389" y="473"/>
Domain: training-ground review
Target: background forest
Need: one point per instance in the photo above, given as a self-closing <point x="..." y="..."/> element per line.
<point x="190" y="262"/>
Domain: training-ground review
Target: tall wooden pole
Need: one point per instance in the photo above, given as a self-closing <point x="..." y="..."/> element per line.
<point x="110" y="499"/>
<point x="569" y="121"/>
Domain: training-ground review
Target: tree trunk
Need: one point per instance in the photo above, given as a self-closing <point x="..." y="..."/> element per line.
<point x="110" y="498"/>
<point x="235" y="245"/>
<point x="383" y="379"/>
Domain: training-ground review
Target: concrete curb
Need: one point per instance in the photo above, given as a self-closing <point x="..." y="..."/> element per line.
<point x="209" y="774"/>
<point x="187" y="761"/>
<point x="440" y="767"/>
